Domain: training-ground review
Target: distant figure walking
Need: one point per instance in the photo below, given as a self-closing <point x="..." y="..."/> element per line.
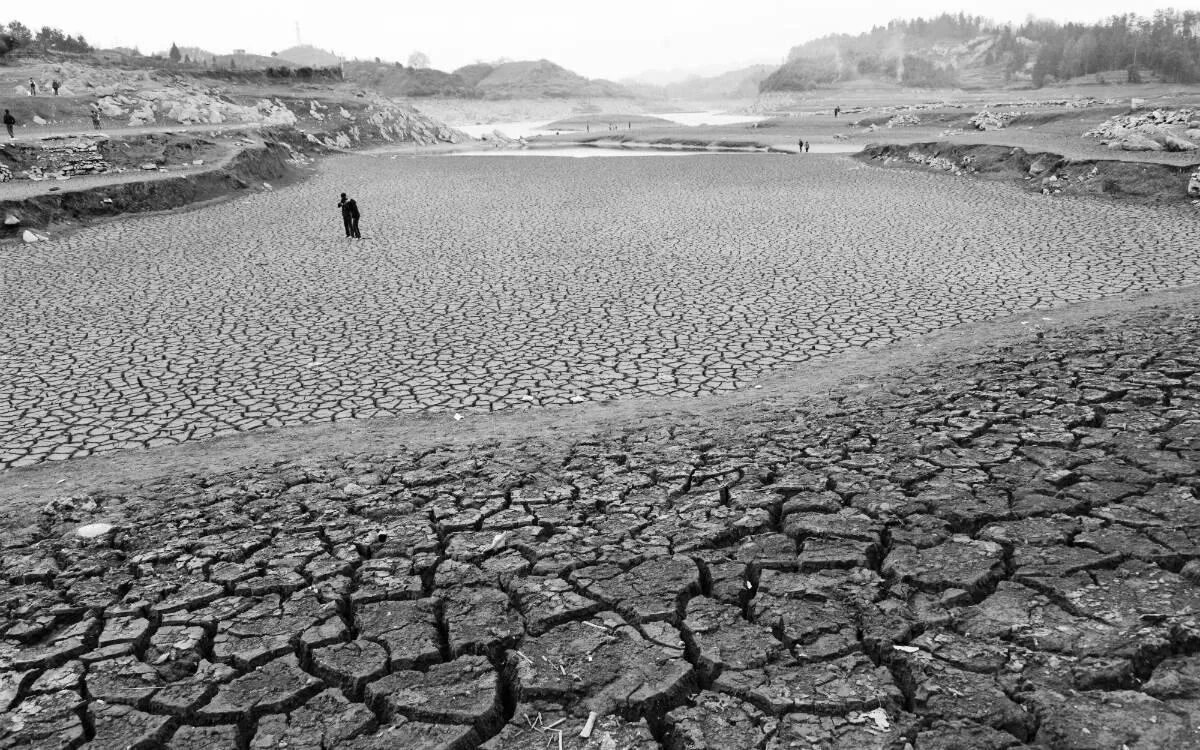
<point x="95" y="110"/>
<point x="837" y="111"/>
<point x="800" y="146"/>
<point x="32" y="88"/>
<point x="807" y="146"/>
<point x="55" y="85"/>
<point x="349" y="216"/>
<point x="9" y="121"/>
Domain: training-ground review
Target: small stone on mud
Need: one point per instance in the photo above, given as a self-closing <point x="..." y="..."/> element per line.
<point x="93" y="530"/>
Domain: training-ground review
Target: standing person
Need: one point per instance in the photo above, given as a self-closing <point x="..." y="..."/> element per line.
<point x="807" y="145"/>
<point x="350" y="216"/>
<point x="55" y="85"/>
<point x="800" y="146"/>
<point x="9" y="121"/>
<point x="32" y="88"/>
<point x="837" y="111"/>
<point x="95" y="110"/>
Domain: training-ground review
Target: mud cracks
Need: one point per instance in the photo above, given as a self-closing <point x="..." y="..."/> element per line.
<point x="994" y="551"/>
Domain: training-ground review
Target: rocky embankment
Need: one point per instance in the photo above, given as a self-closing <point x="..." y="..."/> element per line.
<point x="290" y="132"/>
<point x="1048" y="173"/>
<point x="153" y="98"/>
<point x="1157" y="130"/>
<point x="256" y="166"/>
<point x="64" y="157"/>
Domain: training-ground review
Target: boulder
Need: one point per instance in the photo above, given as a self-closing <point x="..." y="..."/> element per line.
<point x="29" y="237"/>
<point x="1136" y="142"/>
<point x="38" y="120"/>
<point x="142" y="116"/>
<point x="1174" y="143"/>
<point x="11" y="220"/>
<point x="110" y="108"/>
<point x="1044" y="163"/>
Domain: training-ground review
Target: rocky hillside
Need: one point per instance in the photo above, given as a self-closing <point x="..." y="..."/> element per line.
<point x="155" y="98"/>
<point x="529" y="79"/>
<point x="972" y="52"/>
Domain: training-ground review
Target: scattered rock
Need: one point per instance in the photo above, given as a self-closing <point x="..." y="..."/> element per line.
<point x="93" y="530"/>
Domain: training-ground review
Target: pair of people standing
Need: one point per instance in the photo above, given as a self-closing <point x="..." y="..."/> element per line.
<point x="350" y="216"/>
<point x="802" y="146"/>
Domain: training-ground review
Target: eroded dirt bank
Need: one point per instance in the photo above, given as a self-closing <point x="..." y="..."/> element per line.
<point x="268" y="162"/>
<point x="1047" y="172"/>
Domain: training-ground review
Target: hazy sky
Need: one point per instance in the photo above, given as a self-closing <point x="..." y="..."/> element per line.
<point x="596" y="38"/>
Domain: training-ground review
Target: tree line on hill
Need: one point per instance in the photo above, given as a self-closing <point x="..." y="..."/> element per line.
<point x="934" y="52"/>
<point x="17" y="36"/>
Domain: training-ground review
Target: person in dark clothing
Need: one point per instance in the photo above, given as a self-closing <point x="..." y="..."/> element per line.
<point x="837" y="111"/>
<point x="9" y="121"/>
<point x="800" y="146"/>
<point x="55" y="85"/>
<point x="32" y="88"/>
<point x="807" y="145"/>
<point x="350" y="216"/>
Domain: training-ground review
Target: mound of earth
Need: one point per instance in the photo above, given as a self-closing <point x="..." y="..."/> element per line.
<point x="1049" y="173"/>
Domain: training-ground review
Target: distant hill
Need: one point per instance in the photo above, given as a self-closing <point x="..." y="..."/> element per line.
<point x="396" y="80"/>
<point x="244" y="61"/>
<point x="909" y="53"/>
<point x="972" y="52"/>
<point x="536" y="79"/>
<point x="531" y="79"/>
<point x="308" y="55"/>
<point x="736" y="84"/>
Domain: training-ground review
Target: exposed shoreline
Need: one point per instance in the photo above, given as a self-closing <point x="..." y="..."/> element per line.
<point x="279" y="159"/>
<point x="1045" y="172"/>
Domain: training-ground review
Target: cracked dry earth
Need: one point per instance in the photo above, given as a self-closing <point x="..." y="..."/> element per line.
<point x="997" y="549"/>
<point x="509" y="283"/>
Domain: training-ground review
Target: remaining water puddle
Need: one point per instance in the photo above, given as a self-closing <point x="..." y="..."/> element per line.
<point x="531" y="128"/>
<point x="589" y="152"/>
<point x="710" y="118"/>
<point x="523" y="129"/>
<point x="577" y="152"/>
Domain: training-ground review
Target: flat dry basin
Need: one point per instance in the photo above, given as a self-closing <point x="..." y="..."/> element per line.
<point x="517" y="282"/>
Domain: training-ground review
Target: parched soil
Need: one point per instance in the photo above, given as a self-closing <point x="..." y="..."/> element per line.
<point x="991" y="546"/>
<point x="511" y="283"/>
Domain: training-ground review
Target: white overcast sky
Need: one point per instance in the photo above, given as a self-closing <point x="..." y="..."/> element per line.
<point x="596" y="38"/>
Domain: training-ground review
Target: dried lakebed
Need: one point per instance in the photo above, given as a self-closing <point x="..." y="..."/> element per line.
<point x="995" y="549"/>
<point x="487" y="284"/>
